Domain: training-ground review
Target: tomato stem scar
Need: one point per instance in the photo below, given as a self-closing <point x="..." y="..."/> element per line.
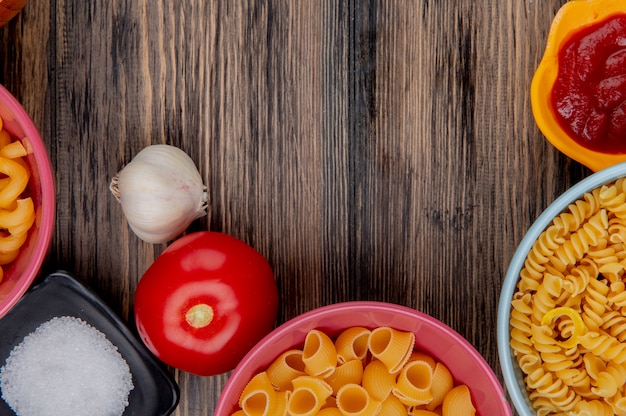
<point x="200" y="315"/>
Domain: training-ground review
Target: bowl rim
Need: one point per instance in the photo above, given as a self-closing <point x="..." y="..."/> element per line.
<point x="507" y="364"/>
<point x="48" y="210"/>
<point x="364" y="306"/>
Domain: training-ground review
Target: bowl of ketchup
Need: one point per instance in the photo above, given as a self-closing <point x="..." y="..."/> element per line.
<point x="578" y="93"/>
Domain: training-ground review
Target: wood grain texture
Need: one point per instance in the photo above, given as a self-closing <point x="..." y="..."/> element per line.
<point x="371" y="150"/>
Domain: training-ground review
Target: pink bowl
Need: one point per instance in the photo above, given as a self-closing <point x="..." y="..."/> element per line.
<point x="19" y="275"/>
<point x="431" y="336"/>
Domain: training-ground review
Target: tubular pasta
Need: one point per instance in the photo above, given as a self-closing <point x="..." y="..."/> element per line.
<point x="391" y="346"/>
<point x="319" y="354"/>
<point x="17" y="184"/>
<point x="13" y="150"/>
<point x="7" y="257"/>
<point x="17" y="213"/>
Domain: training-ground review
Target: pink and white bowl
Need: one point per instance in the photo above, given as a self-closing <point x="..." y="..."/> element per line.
<point x="431" y="336"/>
<point x="20" y="274"/>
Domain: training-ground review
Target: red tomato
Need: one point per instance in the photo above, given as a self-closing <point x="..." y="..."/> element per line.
<point x="204" y="303"/>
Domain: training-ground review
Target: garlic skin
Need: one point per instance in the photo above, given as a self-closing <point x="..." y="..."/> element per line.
<point x="161" y="193"/>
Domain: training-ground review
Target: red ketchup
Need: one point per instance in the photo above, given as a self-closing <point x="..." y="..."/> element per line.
<point x="589" y="94"/>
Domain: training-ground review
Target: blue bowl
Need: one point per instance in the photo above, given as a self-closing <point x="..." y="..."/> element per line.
<point x="513" y="376"/>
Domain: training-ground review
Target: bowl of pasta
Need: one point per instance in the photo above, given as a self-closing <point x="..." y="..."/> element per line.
<point x="27" y="201"/>
<point x="363" y="358"/>
<point x="561" y="338"/>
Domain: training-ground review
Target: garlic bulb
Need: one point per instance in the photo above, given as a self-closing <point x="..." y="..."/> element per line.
<point x="161" y="193"/>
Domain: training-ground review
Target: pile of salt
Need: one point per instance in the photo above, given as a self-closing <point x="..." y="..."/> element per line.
<point x="66" y="367"/>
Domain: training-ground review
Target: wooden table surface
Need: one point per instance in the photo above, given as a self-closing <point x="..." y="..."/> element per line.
<point x="370" y="150"/>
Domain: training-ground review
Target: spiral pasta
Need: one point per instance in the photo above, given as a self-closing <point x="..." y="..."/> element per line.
<point x="17" y="211"/>
<point x="575" y="362"/>
<point x="390" y="378"/>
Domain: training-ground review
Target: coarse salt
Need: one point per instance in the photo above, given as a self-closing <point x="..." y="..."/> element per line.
<point x="66" y="367"/>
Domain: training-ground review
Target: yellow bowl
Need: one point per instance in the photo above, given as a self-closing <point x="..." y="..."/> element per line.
<point x="9" y="9"/>
<point x="573" y="16"/>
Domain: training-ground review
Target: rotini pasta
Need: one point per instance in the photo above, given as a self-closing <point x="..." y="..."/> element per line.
<point x="568" y="314"/>
<point x="359" y="384"/>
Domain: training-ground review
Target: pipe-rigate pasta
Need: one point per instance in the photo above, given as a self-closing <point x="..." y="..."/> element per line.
<point x="352" y="344"/>
<point x="414" y="383"/>
<point x="579" y="263"/>
<point x="319" y="354"/>
<point x="442" y="383"/>
<point x="308" y="396"/>
<point x="392" y="406"/>
<point x="259" y="397"/>
<point x="363" y="386"/>
<point x="422" y="412"/>
<point x="354" y="400"/>
<point x="350" y="372"/>
<point x="377" y="380"/>
<point x="286" y="368"/>
<point x="17" y="184"/>
<point x="391" y="346"/>
<point x="330" y="411"/>
<point x="458" y="402"/>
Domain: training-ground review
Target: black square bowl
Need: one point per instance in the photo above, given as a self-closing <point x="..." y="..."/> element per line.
<point x="59" y="294"/>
